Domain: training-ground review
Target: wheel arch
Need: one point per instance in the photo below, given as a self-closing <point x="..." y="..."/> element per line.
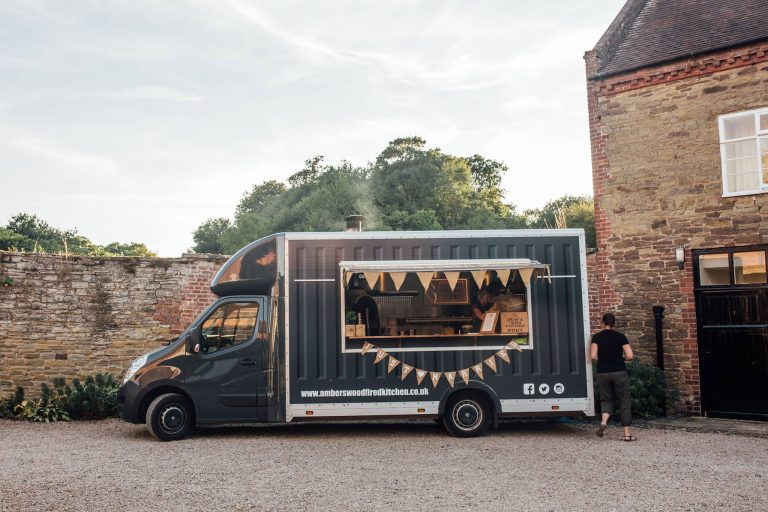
<point x="473" y="387"/>
<point x="161" y="389"/>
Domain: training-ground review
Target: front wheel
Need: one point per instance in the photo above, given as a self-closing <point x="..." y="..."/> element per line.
<point x="169" y="417"/>
<point x="467" y="416"/>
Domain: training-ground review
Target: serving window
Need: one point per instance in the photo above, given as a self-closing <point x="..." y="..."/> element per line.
<point x="409" y="306"/>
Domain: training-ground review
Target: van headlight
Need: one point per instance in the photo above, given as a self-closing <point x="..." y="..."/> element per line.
<point x="135" y="365"/>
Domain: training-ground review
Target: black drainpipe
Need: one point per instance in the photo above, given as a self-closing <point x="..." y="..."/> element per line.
<point x="658" y="318"/>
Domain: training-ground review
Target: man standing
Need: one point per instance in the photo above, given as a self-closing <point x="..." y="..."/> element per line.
<point x="611" y="349"/>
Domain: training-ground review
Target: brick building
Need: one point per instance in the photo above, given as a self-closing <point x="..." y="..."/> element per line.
<point x="678" y="114"/>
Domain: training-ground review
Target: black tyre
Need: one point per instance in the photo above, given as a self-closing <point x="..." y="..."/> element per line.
<point x="467" y="415"/>
<point x="170" y="417"/>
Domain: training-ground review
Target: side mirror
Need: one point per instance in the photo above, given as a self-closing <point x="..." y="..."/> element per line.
<point x="193" y="342"/>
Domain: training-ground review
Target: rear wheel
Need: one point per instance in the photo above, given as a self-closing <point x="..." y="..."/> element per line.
<point x="169" y="417"/>
<point x="467" y="415"/>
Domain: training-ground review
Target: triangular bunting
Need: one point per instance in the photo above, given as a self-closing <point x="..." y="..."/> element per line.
<point x="397" y="279"/>
<point x="525" y="275"/>
<point x="407" y="369"/>
<point x="366" y="347"/>
<point x="514" y="346"/>
<point x="479" y="276"/>
<point x="491" y="362"/>
<point x="425" y="278"/>
<point x="372" y="278"/>
<point x="420" y="374"/>
<point x="503" y="355"/>
<point x="464" y="375"/>
<point x="478" y="368"/>
<point x="450" y="377"/>
<point x="452" y="278"/>
<point x="392" y="364"/>
<point x="435" y="377"/>
<point x="503" y="275"/>
<point x="380" y="355"/>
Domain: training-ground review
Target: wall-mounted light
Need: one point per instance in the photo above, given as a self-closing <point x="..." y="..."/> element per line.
<point x="680" y="257"/>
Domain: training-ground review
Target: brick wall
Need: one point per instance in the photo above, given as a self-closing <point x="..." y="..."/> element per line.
<point x="657" y="184"/>
<point x="70" y="317"/>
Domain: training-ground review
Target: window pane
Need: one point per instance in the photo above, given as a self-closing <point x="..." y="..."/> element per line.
<point x="738" y="127"/>
<point x="713" y="269"/>
<point x="764" y="122"/>
<point x="764" y="157"/>
<point x="749" y="267"/>
<point x="229" y="325"/>
<point x="741" y="166"/>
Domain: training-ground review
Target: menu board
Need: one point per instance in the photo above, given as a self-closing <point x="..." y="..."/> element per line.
<point x="439" y="292"/>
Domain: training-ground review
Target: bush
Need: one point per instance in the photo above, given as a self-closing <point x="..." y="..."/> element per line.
<point x="8" y="406"/>
<point x="49" y="407"/>
<point x="649" y="391"/>
<point x="93" y="399"/>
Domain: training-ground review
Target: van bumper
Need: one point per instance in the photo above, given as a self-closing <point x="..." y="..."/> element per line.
<point x="128" y="403"/>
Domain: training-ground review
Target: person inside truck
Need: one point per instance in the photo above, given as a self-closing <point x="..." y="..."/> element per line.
<point x="486" y="299"/>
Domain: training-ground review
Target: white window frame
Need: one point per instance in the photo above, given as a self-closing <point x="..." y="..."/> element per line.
<point x="757" y="137"/>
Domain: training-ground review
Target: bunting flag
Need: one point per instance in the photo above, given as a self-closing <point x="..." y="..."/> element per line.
<point x="397" y="279"/>
<point x="380" y="355"/>
<point x="425" y="278"/>
<point x="452" y="278"/>
<point x="479" y="276"/>
<point x="525" y="275"/>
<point x="503" y="275"/>
<point x="435" y="377"/>
<point x="372" y="278"/>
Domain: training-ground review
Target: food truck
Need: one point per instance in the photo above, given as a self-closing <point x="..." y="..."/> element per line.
<point x="464" y="327"/>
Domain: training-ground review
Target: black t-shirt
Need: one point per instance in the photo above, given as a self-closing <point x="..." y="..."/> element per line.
<point x="476" y="322"/>
<point x="610" y="351"/>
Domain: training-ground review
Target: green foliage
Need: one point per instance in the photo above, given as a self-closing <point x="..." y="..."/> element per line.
<point x="49" y="407"/>
<point x="95" y="398"/>
<point x="409" y="186"/>
<point x="649" y="392"/>
<point x="28" y="233"/>
<point x="576" y="211"/>
<point x="207" y="237"/>
<point x="6" y="281"/>
<point x="8" y="406"/>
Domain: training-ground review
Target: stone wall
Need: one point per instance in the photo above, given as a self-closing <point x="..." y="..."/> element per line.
<point x="75" y="316"/>
<point x="657" y="183"/>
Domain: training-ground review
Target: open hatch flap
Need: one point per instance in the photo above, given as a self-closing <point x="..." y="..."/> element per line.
<point x="425" y="269"/>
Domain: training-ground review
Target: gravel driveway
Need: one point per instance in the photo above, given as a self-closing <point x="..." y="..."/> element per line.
<point x="111" y="465"/>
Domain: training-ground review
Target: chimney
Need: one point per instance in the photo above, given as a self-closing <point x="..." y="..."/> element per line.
<point x="354" y="223"/>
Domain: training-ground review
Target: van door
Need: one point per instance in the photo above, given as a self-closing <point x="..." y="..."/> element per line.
<point x="227" y="378"/>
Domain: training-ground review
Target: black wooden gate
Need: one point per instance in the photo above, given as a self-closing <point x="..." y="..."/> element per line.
<point x="732" y="317"/>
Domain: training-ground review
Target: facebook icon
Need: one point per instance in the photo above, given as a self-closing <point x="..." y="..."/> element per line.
<point x="529" y="389"/>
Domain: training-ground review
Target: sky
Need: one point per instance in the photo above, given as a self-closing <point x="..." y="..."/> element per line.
<point x="137" y="121"/>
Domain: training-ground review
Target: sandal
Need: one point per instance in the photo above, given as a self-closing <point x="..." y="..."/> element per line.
<point x="630" y="438"/>
<point x="601" y="430"/>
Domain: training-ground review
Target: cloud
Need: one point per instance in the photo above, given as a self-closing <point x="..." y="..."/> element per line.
<point x="146" y="92"/>
<point x="69" y="158"/>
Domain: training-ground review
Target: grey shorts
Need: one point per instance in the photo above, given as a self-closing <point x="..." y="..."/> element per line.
<point x="614" y="395"/>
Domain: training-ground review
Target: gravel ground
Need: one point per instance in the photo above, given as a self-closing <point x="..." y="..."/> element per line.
<point x="111" y="465"/>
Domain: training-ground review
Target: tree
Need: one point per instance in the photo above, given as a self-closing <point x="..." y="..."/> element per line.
<point x="207" y="237"/>
<point x="575" y="211"/>
<point x="259" y="197"/>
<point x="312" y="169"/>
